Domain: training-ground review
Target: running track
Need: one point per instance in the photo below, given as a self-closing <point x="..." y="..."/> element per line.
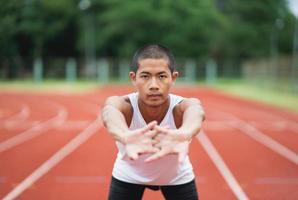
<point x="53" y="146"/>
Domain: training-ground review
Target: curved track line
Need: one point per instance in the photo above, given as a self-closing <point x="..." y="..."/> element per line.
<point x="17" y="118"/>
<point x="262" y="138"/>
<point x="55" y="159"/>
<point x="221" y="166"/>
<point x="19" y="115"/>
<point x="269" y="126"/>
<point x="36" y="130"/>
<point x="288" y="123"/>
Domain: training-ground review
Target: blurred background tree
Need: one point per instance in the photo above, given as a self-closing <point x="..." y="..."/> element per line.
<point x="219" y="29"/>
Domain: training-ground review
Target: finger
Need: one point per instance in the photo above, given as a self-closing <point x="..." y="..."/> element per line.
<point x="158" y="145"/>
<point x="151" y="133"/>
<point x="156" y="156"/>
<point x="149" y="126"/>
<point x="159" y="137"/>
<point x="161" y="129"/>
<point x="133" y="156"/>
<point x="150" y="150"/>
<point x="154" y="142"/>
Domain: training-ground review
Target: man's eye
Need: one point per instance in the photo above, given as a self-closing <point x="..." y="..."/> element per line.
<point x="162" y="76"/>
<point x="144" y="76"/>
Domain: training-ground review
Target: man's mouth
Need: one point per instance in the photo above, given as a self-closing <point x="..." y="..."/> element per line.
<point x="154" y="95"/>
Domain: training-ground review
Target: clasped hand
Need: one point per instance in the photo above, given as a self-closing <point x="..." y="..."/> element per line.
<point x="156" y="140"/>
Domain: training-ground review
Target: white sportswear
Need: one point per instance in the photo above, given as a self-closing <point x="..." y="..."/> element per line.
<point x="164" y="171"/>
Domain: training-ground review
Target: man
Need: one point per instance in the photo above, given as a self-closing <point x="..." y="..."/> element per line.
<point x="153" y="130"/>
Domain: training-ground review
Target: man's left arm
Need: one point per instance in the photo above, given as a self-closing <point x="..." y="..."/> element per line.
<point x="193" y="116"/>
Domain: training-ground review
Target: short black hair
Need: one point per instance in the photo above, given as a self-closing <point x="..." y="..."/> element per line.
<point x="154" y="51"/>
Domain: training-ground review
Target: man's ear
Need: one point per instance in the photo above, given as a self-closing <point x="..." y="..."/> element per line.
<point x="132" y="76"/>
<point x="175" y="75"/>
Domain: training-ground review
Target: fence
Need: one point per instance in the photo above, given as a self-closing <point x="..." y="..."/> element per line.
<point x="278" y="74"/>
<point x="112" y="69"/>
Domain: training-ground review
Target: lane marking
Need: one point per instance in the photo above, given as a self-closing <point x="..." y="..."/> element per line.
<point x="17" y="118"/>
<point x="67" y="125"/>
<point x="55" y="159"/>
<point x="36" y="130"/>
<point x="221" y="166"/>
<point x="267" y="141"/>
<point x="20" y="115"/>
<point x="268" y="125"/>
<point x="289" y="123"/>
<point x="262" y="138"/>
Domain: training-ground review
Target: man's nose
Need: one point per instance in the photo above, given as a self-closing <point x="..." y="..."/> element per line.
<point x="153" y="84"/>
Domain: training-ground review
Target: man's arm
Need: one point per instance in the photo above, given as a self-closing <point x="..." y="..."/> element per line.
<point x="193" y="116"/>
<point x="114" y="119"/>
<point x="136" y="142"/>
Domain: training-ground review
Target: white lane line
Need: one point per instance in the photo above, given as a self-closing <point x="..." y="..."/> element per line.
<point x="55" y="159"/>
<point x="16" y="118"/>
<point x="66" y="126"/>
<point x="267" y="141"/>
<point x="20" y="115"/>
<point x="36" y="130"/>
<point x="269" y="116"/>
<point x="268" y="125"/>
<point x="221" y="166"/>
<point x="262" y="138"/>
<point x="73" y="125"/>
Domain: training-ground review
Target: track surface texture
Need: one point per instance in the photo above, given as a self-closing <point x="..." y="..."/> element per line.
<point x="53" y="146"/>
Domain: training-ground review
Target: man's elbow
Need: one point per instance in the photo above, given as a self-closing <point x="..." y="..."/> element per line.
<point x="195" y="104"/>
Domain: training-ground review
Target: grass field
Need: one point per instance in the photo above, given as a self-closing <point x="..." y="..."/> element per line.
<point x="273" y="97"/>
<point x="280" y="99"/>
<point x="49" y="86"/>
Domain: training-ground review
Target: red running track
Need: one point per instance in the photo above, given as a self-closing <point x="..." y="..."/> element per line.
<point x="54" y="147"/>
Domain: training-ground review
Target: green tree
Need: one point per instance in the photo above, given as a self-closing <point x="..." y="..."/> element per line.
<point x="188" y="27"/>
<point x="252" y="25"/>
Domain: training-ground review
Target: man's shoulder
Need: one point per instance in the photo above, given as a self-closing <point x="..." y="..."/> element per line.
<point x="177" y="99"/>
<point x="184" y="102"/>
<point x="120" y="102"/>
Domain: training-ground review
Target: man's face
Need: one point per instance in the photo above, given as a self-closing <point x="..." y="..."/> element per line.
<point x="153" y="81"/>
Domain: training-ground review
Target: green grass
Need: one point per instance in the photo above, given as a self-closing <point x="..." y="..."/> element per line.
<point x="49" y="86"/>
<point x="278" y="98"/>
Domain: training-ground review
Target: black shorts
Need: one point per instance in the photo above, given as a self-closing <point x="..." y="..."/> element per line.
<point x="120" y="190"/>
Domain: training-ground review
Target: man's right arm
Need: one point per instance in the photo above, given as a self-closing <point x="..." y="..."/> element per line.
<point x="114" y="119"/>
<point x="136" y="142"/>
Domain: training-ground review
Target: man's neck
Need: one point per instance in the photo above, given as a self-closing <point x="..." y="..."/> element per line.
<point x="151" y="113"/>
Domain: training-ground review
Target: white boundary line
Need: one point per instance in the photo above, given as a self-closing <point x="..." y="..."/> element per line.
<point x="16" y="118"/>
<point x="289" y="123"/>
<point x="221" y="166"/>
<point x="262" y="138"/>
<point x="269" y="126"/>
<point x="259" y="136"/>
<point x="35" y="130"/>
<point x="55" y="159"/>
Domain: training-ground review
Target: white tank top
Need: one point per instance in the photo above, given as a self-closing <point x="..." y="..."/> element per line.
<point x="164" y="171"/>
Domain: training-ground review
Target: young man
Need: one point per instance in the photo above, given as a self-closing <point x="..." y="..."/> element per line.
<point x="153" y="130"/>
